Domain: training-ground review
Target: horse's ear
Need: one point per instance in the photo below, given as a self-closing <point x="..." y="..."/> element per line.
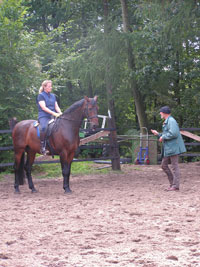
<point x="86" y="98"/>
<point x="95" y="98"/>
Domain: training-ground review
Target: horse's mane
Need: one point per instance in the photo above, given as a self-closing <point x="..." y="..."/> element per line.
<point x="74" y="106"/>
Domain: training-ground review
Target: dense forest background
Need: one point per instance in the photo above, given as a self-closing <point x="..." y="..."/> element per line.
<point x="135" y="55"/>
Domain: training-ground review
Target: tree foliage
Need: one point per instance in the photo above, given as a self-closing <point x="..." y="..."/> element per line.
<point x="65" y="41"/>
<point x="18" y="65"/>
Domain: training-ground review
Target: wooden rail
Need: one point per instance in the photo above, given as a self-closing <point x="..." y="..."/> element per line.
<point x="185" y="132"/>
<point x="83" y="141"/>
<point x="190" y="135"/>
<point x="94" y="137"/>
<point x="105" y="132"/>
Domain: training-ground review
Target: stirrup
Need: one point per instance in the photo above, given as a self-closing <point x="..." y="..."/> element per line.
<point x="43" y="151"/>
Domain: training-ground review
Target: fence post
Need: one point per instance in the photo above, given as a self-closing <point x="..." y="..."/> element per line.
<point x="114" y="148"/>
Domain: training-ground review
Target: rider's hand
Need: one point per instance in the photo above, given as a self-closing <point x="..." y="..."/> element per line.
<point x="57" y="114"/>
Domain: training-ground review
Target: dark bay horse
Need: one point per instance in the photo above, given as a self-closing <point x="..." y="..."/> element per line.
<point x="64" y="140"/>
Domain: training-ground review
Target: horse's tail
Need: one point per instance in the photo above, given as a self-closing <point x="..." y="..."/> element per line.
<point x="20" y="169"/>
<point x="12" y="123"/>
<point x="21" y="174"/>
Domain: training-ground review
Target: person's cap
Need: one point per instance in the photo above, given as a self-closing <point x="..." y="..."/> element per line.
<point x="165" y="110"/>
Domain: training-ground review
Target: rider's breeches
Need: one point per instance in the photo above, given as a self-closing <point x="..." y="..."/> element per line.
<point x="43" y="123"/>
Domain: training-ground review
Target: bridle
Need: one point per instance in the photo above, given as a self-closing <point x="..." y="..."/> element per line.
<point x="87" y="112"/>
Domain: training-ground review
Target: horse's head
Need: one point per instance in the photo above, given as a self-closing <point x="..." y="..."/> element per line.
<point x="91" y="109"/>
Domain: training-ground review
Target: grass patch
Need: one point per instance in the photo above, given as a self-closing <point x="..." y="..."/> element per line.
<point x="54" y="170"/>
<point x="8" y="171"/>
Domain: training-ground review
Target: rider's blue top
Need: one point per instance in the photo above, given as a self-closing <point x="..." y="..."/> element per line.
<point x="50" y="100"/>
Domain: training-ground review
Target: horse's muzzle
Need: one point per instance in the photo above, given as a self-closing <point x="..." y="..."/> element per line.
<point x="94" y="123"/>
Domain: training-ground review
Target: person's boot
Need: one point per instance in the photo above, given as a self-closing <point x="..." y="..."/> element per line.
<point x="42" y="144"/>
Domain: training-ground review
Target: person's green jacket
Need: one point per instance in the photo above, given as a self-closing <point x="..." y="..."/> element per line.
<point x="172" y="140"/>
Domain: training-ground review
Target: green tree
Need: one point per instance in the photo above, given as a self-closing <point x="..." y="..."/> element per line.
<point x="18" y="67"/>
<point x="169" y="62"/>
<point x="18" y="64"/>
<point x="138" y="96"/>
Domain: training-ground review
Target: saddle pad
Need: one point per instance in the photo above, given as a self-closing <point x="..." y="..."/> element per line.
<point x="36" y="125"/>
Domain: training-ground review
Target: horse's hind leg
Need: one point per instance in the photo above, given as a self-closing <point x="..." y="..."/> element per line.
<point x="19" y="170"/>
<point x="28" y="167"/>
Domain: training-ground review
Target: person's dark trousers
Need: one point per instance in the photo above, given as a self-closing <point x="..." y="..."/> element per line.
<point x="173" y="174"/>
<point x="43" y="124"/>
<point x="43" y="143"/>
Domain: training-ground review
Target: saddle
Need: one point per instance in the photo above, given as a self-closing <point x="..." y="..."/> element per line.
<point x="49" y="128"/>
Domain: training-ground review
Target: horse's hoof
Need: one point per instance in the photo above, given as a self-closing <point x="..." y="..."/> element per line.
<point x="17" y="192"/>
<point x="68" y="191"/>
<point x="34" y="191"/>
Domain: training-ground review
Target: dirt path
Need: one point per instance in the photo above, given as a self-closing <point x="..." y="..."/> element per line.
<point x="117" y="219"/>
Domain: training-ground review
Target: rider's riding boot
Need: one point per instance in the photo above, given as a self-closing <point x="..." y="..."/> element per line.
<point x="42" y="144"/>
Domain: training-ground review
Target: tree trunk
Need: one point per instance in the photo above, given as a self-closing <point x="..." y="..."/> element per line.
<point x="177" y="84"/>
<point x="138" y="98"/>
<point x="114" y="148"/>
<point x="90" y="89"/>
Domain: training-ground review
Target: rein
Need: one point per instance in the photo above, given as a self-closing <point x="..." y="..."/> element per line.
<point x="86" y="113"/>
<point x="63" y="118"/>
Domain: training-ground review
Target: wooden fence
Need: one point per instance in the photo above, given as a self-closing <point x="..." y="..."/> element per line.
<point x="188" y="144"/>
<point x="102" y="132"/>
<point x="186" y="132"/>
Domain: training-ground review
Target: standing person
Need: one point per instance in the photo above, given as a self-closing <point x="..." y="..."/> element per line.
<point x="47" y="107"/>
<point x="173" y="145"/>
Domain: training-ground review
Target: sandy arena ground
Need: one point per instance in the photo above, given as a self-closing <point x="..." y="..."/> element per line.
<point x="118" y="219"/>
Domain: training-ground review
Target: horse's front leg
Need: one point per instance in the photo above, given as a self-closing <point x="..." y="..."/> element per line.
<point x="28" y="167"/>
<point x="66" y="170"/>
